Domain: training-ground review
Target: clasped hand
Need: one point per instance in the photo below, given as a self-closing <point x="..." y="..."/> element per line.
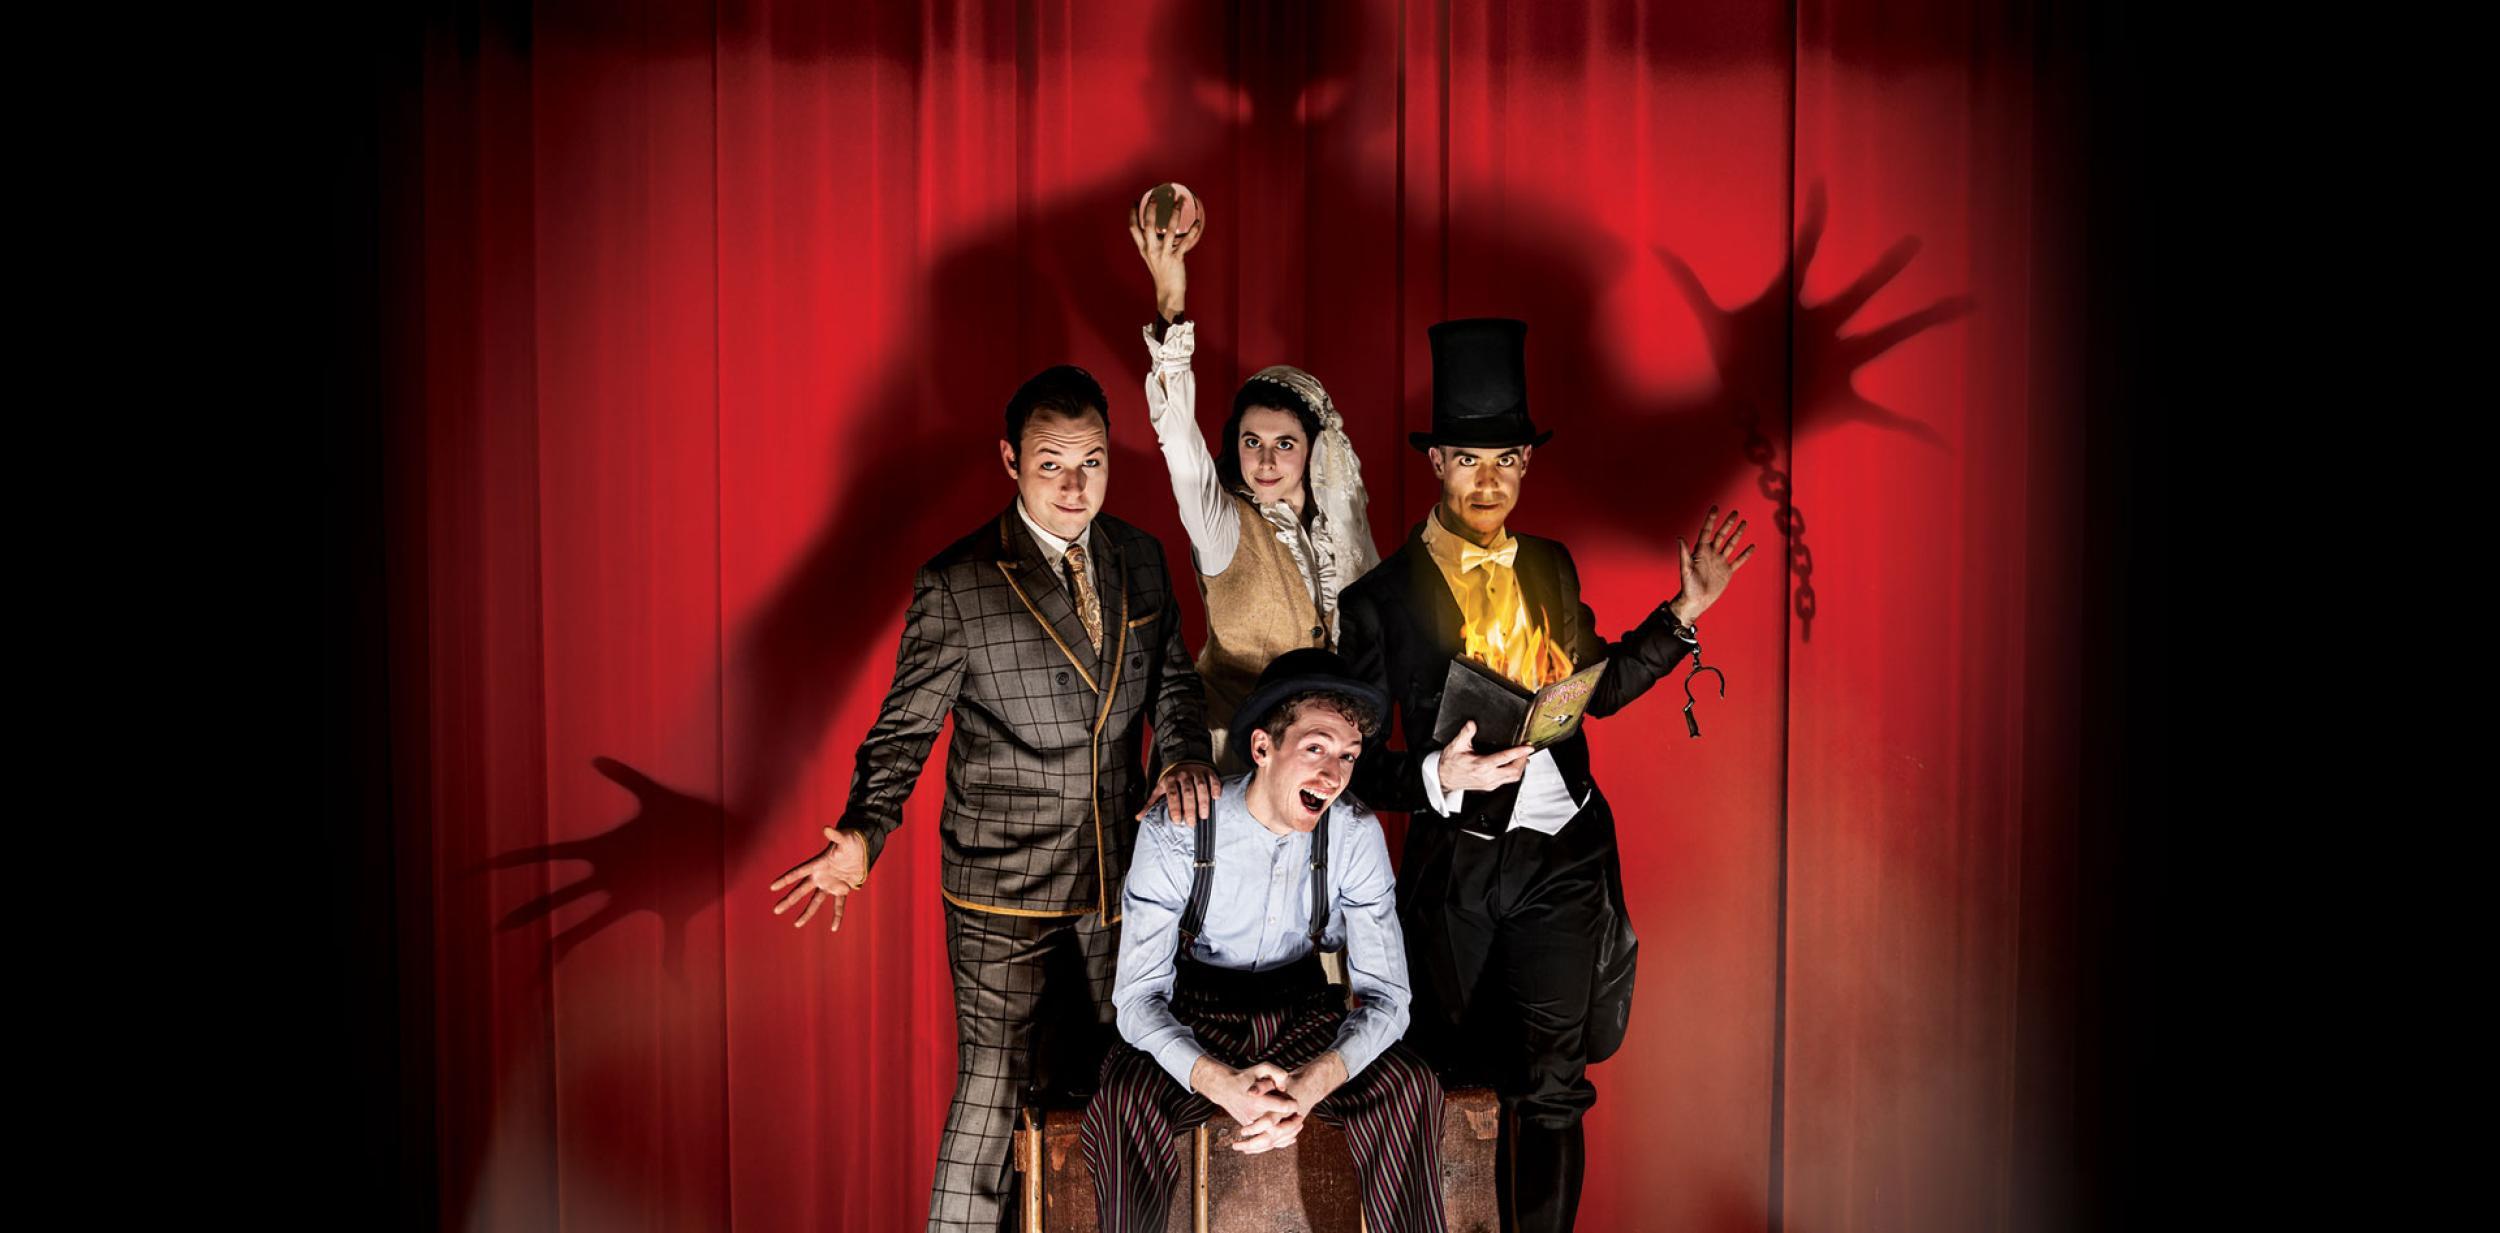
<point x="1270" y="1102"/>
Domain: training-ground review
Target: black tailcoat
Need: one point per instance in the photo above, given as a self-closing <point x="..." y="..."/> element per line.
<point x="1399" y="629"/>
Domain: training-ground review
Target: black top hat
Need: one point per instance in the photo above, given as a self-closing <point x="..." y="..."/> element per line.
<point x="1308" y="670"/>
<point x="1480" y="385"/>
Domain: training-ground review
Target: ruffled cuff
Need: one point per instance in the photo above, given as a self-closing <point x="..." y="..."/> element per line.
<point x="1180" y="341"/>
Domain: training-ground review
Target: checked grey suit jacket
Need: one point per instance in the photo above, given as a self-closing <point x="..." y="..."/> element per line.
<point x="1044" y="779"/>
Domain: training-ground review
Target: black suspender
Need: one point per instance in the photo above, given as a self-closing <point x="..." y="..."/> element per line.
<point x="1201" y="880"/>
<point x="1202" y="883"/>
<point x="1319" y="879"/>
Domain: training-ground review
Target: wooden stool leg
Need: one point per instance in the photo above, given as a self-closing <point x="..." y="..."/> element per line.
<point x="1028" y="1157"/>
<point x="1198" y="1180"/>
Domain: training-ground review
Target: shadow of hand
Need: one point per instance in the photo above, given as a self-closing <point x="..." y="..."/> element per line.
<point x="666" y="860"/>
<point x="1756" y="354"/>
<point x="1777" y="350"/>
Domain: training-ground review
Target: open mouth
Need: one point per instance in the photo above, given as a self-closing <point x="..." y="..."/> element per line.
<point x="1313" y="802"/>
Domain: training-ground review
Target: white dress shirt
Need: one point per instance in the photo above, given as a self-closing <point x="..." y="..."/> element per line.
<point x="1207" y="510"/>
<point x="1054" y="549"/>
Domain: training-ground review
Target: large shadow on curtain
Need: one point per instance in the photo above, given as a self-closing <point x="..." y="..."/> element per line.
<point x="1640" y="467"/>
<point x="927" y="467"/>
<point x="828" y="619"/>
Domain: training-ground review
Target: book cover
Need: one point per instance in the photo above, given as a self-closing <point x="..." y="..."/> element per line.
<point x="1506" y="714"/>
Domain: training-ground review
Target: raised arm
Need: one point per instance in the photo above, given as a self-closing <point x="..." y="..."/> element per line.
<point x="1639" y="659"/>
<point x="1650" y="650"/>
<point x="1172" y="399"/>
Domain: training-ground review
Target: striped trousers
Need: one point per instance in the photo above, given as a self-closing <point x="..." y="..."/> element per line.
<point x="1391" y="1115"/>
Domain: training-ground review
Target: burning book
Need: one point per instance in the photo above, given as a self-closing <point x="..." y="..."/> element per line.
<point x="1507" y="714"/>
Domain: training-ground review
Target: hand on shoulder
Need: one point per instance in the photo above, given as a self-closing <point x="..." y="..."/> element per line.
<point x="1156" y="826"/>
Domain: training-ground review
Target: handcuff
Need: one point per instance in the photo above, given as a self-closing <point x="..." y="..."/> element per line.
<point x="1692" y="635"/>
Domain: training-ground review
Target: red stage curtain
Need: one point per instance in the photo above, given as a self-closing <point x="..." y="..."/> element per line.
<point x="710" y="316"/>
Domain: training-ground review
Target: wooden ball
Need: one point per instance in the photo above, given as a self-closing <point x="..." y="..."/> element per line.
<point x="1168" y="207"/>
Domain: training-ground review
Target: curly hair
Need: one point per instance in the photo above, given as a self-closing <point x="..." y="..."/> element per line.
<point x="1353" y="710"/>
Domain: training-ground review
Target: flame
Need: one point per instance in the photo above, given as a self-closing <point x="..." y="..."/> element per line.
<point x="1508" y="643"/>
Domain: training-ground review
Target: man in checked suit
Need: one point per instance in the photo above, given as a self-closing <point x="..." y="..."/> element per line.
<point x="1051" y="635"/>
<point x="1510" y="889"/>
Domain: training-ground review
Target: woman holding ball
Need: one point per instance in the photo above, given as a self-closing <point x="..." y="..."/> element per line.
<point x="1277" y="517"/>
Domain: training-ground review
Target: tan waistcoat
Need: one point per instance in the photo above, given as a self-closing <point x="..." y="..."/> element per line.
<point x="1257" y="609"/>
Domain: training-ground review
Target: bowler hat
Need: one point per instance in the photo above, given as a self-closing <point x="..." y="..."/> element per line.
<point x="1305" y="670"/>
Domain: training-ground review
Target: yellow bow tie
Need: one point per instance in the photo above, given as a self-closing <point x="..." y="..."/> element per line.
<point x="1470" y="556"/>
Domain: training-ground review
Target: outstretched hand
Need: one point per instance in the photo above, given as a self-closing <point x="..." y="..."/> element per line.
<point x="1705" y="571"/>
<point x="1165" y="250"/>
<point x="831" y="877"/>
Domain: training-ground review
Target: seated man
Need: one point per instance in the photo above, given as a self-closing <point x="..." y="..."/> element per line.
<point x="1222" y="994"/>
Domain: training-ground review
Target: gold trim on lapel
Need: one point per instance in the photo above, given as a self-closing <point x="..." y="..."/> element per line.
<point x="1013" y="545"/>
<point x="1102" y="861"/>
<point x="1113" y="560"/>
<point x="1007" y="570"/>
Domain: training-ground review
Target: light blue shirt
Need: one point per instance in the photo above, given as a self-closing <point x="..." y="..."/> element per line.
<point x="1258" y="918"/>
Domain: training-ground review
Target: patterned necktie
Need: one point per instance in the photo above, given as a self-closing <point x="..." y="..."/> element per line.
<point x="1088" y="604"/>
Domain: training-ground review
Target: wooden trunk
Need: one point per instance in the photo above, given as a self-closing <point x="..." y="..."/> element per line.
<point x="1306" y="1188"/>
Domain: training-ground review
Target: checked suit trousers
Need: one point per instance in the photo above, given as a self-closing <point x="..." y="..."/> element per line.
<point x="1017" y="978"/>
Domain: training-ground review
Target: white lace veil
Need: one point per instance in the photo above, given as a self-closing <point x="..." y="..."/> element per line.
<point x="1334" y="473"/>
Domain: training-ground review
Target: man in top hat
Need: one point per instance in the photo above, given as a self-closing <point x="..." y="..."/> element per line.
<point x="1222" y="991"/>
<point x="1509" y="888"/>
<point x="1051" y="635"/>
